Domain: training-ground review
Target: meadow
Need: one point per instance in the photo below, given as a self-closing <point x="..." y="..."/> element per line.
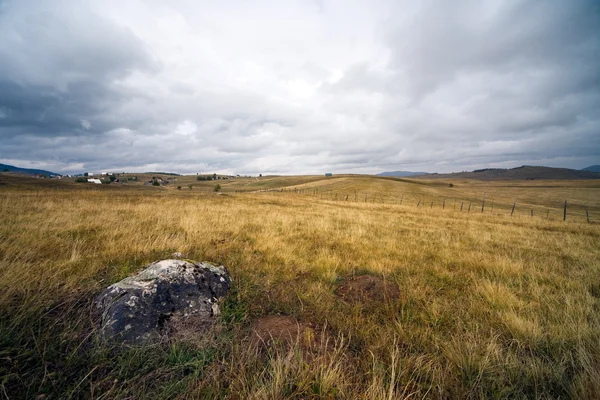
<point x="459" y="304"/>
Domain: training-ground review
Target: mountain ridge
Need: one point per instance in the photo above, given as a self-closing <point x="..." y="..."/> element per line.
<point x="592" y="168"/>
<point x="401" y="173"/>
<point x="524" y="172"/>
<point x="29" y="171"/>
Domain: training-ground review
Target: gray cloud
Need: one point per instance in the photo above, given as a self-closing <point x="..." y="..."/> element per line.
<point x="299" y="87"/>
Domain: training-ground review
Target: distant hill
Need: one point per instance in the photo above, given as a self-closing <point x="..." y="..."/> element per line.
<point x="526" y="172"/>
<point x="401" y="173"/>
<point x="30" y="171"/>
<point x="592" y="168"/>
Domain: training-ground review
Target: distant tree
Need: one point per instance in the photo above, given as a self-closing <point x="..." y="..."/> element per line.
<point x="217" y="188"/>
<point x="214" y="177"/>
<point x="260" y="175"/>
<point x="85" y="174"/>
<point x="5" y="170"/>
<point x="178" y="187"/>
<point x="451" y="185"/>
<point x="155" y="183"/>
<point x="81" y="180"/>
<point x="112" y="178"/>
<point x="190" y="186"/>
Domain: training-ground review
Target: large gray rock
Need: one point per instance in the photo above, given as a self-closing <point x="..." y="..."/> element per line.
<point x="138" y="309"/>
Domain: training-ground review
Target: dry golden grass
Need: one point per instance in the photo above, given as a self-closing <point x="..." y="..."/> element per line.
<point x="490" y="306"/>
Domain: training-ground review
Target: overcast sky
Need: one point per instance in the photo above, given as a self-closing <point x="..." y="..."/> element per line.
<point x="298" y="87"/>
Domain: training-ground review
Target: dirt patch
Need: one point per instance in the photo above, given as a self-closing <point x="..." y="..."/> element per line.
<point x="366" y="288"/>
<point x="284" y="329"/>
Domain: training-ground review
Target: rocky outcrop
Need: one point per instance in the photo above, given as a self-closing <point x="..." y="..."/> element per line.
<point x="140" y="308"/>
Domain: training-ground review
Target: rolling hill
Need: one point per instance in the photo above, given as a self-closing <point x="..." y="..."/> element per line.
<point x="401" y="174"/>
<point x="525" y="172"/>
<point x="29" y="171"/>
<point x="592" y="168"/>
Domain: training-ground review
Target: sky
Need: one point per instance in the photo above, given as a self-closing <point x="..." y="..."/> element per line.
<point x="298" y="87"/>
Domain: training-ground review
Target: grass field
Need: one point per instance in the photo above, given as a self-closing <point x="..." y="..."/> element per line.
<point x="487" y="305"/>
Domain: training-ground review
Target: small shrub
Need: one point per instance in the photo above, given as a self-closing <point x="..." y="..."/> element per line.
<point x="217" y="188"/>
<point x="190" y="186"/>
<point x="81" y="180"/>
<point x="155" y="183"/>
<point x="451" y="185"/>
<point x="178" y="187"/>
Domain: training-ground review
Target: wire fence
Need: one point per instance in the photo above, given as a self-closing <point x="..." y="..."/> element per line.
<point x="565" y="210"/>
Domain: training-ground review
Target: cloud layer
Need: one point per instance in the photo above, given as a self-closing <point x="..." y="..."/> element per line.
<point x="298" y="86"/>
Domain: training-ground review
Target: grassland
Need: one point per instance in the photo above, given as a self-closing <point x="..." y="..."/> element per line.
<point x="489" y="305"/>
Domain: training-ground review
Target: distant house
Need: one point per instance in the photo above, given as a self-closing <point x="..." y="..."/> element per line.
<point x="328" y="174"/>
<point x="96" y="181"/>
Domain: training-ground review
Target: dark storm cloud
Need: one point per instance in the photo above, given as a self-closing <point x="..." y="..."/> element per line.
<point x="59" y="68"/>
<point x="298" y="88"/>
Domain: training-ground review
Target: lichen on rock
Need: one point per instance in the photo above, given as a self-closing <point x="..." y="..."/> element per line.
<point x="138" y="309"/>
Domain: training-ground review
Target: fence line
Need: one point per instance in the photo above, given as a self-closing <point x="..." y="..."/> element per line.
<point x="578" y="212"/>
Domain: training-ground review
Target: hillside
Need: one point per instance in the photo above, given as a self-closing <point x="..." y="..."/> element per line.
<point x="592" y="168"/>
<point x="401" y="174"/>
<point x="526" y="172"/>
<point x="29" y="171"/>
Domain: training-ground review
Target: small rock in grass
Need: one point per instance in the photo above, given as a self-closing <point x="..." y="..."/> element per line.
<point x="139" y="309"/>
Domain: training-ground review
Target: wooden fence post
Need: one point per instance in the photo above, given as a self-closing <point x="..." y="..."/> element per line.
<point x="547" y="213"/>
<point x="469" y="208"/>
<point x="461" y="205"/>
<point x="565" y="212"/>
<point x="346" y="197"/>
<point x="532" y="212"/>
<point x="402" y="198"/>
<point x="513" y="209"/>
<point x="418" y="203"/>
<point x="483" y="202"/>
<point x="444" y="205"/>
<point x="587" y="216"/>
<point x="431" y="206"/>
